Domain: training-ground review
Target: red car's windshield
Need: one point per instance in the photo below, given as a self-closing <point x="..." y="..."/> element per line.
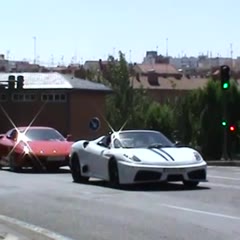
<point x="44" y="135"/>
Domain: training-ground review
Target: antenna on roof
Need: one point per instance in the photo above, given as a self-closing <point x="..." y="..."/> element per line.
<point x="8" y="53"/>
<point x="231" y="54"/>
<point x="76" y="56"/>
<point x="130" y="56"/>
<point x="114" y="50"/>
<point x="52" y="60"/>
<point x="34" y="49"/>
<point x="38" y="59"/>
<point x="166" y="47"/>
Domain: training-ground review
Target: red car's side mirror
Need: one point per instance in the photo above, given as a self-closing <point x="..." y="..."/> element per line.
<point x="13" y="138"/>
<point x="69" y="137"/>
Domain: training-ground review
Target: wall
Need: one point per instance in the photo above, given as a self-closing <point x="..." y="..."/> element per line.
<point x="83" y="107"/>
<point x="52" y="114"/>
<point x="70" y="116"/>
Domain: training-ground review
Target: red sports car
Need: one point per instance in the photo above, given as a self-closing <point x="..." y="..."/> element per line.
<point x="37" y="147"/>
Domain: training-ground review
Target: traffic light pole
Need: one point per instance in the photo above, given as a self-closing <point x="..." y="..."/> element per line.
<point x="225" y="130"/>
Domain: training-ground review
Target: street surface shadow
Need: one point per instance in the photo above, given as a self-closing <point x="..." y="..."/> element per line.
<point x="33" y="171"/>
<point x="148" y="187"/>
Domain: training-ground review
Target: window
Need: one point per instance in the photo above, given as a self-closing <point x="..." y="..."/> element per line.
<point x="153" y="79"/>
<point x="3" y="97"/>
<point x="54" y="97"/>
<point x="117" y="143"/>
<point x="23" y="97"/>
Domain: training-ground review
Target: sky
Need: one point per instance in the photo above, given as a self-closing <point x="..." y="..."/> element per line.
<point x="77" y="30"/>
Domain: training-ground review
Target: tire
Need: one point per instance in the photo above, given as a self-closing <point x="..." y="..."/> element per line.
<point x="190" y="184"/>
<point x="12" y="165"/>
<point x="113" y="173"/>
<point x="76" y="171"/>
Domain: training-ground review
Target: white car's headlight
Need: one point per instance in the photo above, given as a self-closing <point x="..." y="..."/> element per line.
<point x="197" y="156"/>
<point x="26" y="149"/>
<point x="132" y="158"/>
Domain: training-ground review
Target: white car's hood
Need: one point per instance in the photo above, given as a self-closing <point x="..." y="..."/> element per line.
<point x="164" y="156"/>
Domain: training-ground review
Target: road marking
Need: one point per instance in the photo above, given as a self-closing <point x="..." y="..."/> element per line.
<point x="27" y="226"/>
<point x="10" y="237"/>
<point x="202" y="212"/>
<point x="227" y="178"/>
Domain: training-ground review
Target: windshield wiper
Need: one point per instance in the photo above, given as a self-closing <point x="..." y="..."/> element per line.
<point x="158" y="145"/>
<point x="155" y="145"/>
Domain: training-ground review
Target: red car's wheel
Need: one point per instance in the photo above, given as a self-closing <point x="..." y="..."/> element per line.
<point x="12" y="164"/>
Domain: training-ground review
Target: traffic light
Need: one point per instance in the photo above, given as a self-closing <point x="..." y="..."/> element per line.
<point x="20" y="82"/>
<point x="224" y="123"/>
<point x="225" y="77"/>
<point x="232" y="128"/>
<point x="11" y="82"/>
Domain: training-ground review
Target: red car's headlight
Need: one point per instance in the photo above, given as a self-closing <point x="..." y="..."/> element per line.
<point x="26" y="149"/>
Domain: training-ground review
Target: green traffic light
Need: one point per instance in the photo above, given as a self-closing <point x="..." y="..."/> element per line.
<point x="224" y="123"/>
<point x="225" y="85"/>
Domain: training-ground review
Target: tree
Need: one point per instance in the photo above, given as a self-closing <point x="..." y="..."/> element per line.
<point x="161" y="118"/>
<point x="126" y="104"/>
<point x="199" y="117"/>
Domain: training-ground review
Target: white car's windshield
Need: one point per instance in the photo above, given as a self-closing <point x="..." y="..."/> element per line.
<point x="144" y="139"/>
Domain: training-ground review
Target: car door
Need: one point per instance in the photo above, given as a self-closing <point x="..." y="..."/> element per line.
<point x="94" y="157"/>
<point x="101" y="162"/>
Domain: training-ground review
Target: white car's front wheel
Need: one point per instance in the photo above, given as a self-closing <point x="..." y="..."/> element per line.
<point x="76" y="170"/>
<point x="113" y="173"/>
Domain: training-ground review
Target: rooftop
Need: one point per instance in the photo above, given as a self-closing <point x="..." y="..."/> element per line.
<point x="171" y="83"/>
<point x="160" y="68"/>
<point x="54" y="80"/>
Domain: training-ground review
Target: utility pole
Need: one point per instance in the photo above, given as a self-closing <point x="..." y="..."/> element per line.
<point x="34" y="49"/>
<point x="225" y="84"/>
<point x="225" y="130"/>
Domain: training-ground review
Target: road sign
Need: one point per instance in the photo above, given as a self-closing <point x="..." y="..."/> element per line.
<point x="94" y="124"/>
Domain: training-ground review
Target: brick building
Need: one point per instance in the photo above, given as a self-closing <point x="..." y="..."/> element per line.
<point x="60" y="101"/>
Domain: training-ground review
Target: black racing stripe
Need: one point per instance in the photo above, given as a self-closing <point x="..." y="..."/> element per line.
<point x="160" y="149"/>
<point x="158" y="153"/>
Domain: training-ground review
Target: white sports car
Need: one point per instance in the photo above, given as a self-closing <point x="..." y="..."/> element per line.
<point x="136" y="156"/>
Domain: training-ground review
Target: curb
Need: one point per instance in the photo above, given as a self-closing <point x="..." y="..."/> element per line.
<point x="14" y="229"/>
<point x="230" y="163"/>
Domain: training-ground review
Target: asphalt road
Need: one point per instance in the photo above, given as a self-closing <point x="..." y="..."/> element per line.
<point x="95" y="211"/>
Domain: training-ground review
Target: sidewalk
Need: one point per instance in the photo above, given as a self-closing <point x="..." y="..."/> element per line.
<point x="17" y="230"/>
